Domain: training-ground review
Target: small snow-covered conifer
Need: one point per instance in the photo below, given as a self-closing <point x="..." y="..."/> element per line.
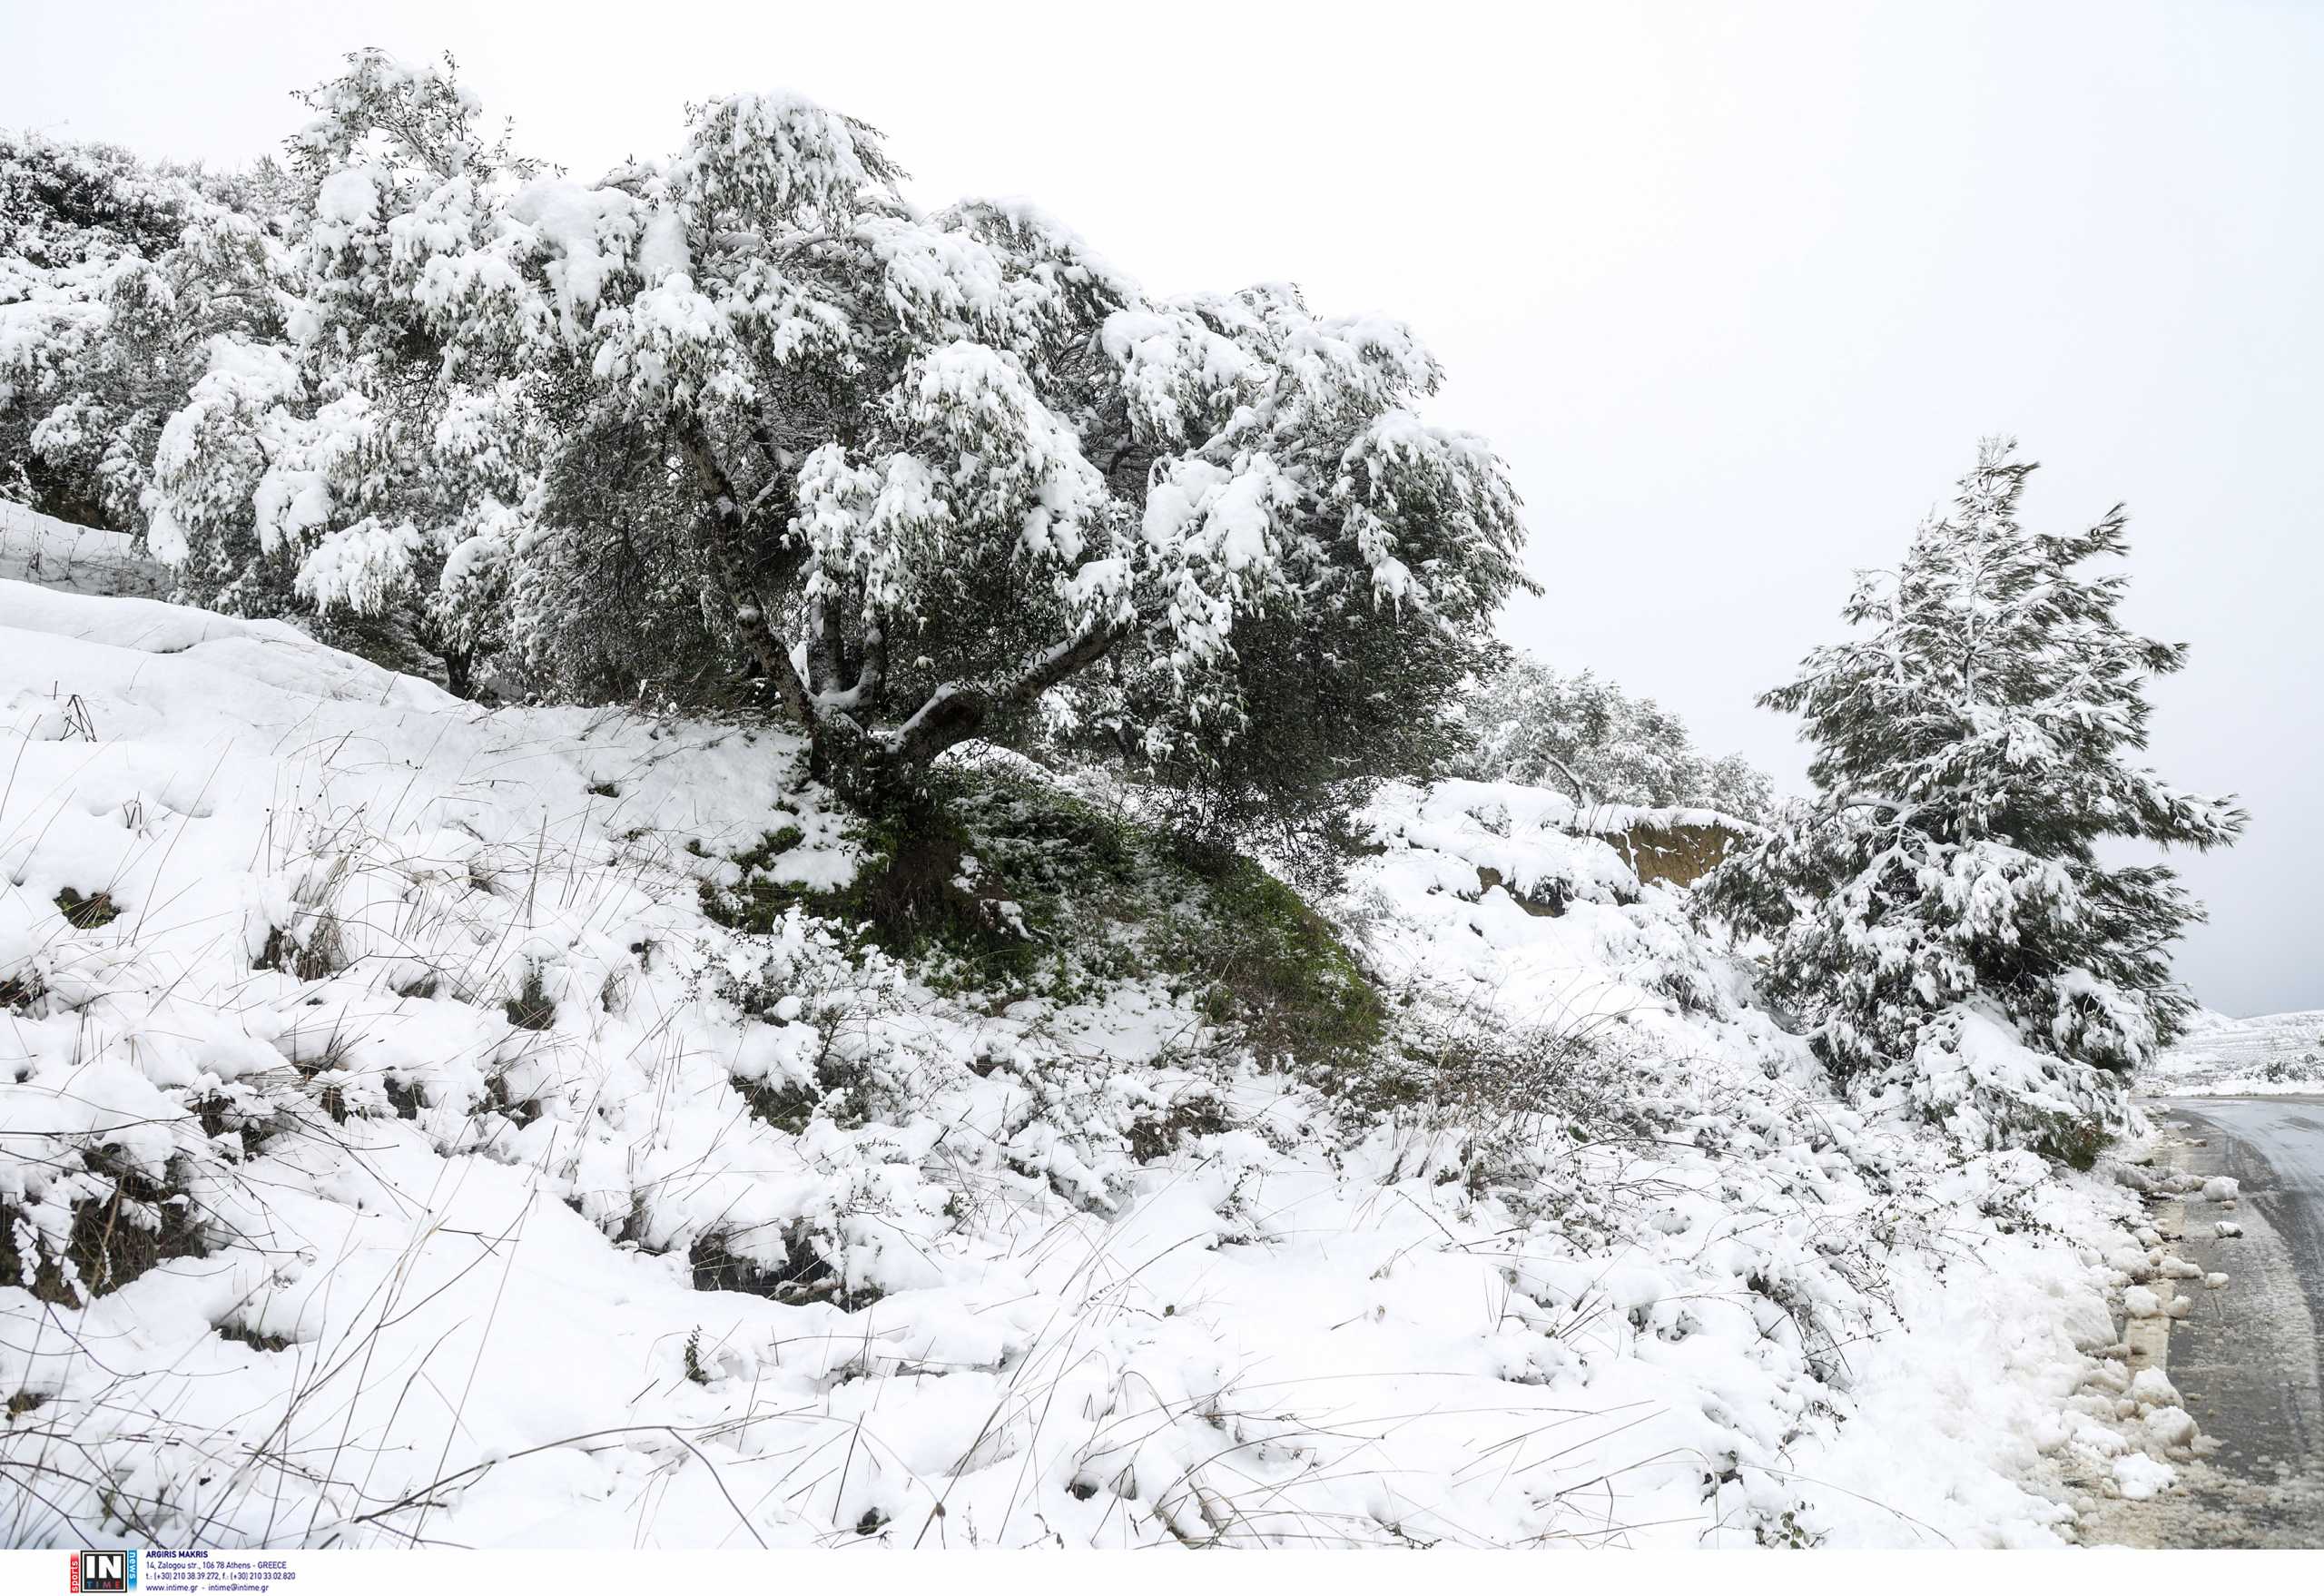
<point x="1975" y="744"/>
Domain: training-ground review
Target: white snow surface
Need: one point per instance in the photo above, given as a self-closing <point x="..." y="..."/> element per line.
<point x="456" y="1268"/>
<point x="41" y="550"/>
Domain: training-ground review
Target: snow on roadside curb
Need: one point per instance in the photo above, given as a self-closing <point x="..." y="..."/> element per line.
<point x="395" y="1037"/>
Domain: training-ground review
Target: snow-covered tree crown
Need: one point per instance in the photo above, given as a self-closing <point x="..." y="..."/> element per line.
<point x="116" y="278"/>
<point x="1994" y="690"/>
<point x="1973" y="746"/>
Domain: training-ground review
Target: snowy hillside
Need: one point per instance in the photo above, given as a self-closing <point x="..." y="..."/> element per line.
<point x="2223" y="1055"/>
<point x="429" y="1124"/>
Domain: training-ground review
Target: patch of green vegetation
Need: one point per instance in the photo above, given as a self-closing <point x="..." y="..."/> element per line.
<point x="769" y="847"/>
<point x="1120" y="902"/>
<point x="840" y="1092"/>
<point x="907" y="895"/>
<point x="759" y="902"/>
<point x="2074" y="1142"/>
<point x="90" y="912"/>
<point x="1275" y="971"/>
<point x="997" y="887"/>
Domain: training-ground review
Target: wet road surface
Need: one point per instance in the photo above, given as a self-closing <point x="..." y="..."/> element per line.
<point x="2249" y="1360"/>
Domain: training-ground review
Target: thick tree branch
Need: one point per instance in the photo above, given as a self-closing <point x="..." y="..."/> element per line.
<point x="954" y="713"/>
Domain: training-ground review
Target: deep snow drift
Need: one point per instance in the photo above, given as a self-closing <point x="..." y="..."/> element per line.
<point x="383" y="1111"/>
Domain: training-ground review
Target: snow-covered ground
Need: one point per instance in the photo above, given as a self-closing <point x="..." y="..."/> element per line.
<point x="41" y="550"/>
<point x="381" y="1048"/>
<point x="2220" y="1056"/>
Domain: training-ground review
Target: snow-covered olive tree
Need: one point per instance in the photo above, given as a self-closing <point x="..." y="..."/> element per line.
<point x="953" y="476"/>
<point x="1583" y="734"/>
<point x="746" y="422"/>
<point x="1973" y="747"/>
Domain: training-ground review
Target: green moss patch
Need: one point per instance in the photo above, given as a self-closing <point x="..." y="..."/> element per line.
<point x="997" y="887"/>
<point x="1274" y="969"/>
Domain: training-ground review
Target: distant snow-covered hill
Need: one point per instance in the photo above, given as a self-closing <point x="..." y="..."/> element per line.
<point x="2222" y="1056"/>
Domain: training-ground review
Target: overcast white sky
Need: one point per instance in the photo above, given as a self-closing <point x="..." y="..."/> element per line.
<point x="1736" y="289"/>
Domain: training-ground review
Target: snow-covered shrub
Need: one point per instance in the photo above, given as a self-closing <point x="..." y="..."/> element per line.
<point x="1939" y="908"/>
<point x="1971" y="1072"/>
<point x="92" y="1221"/>
<point x="116" y="277"/>
<point x="375" y="463"/>
<point x="1464" y="1067"/>
<point x="63" y="204"/>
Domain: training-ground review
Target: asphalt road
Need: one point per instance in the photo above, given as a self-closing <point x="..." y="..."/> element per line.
<point x="2249" y="1360"/>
